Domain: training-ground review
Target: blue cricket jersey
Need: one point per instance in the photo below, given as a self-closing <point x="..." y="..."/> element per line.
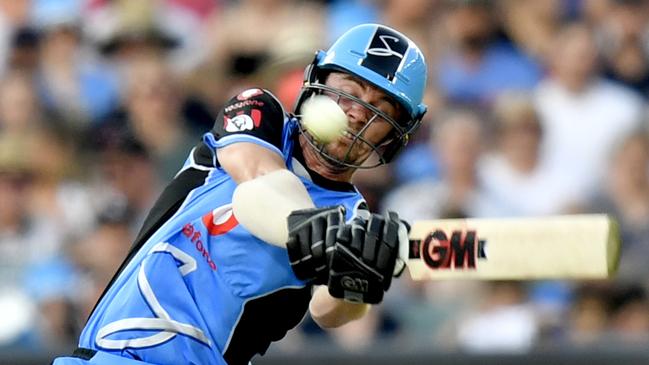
<point x="197" y="287"/>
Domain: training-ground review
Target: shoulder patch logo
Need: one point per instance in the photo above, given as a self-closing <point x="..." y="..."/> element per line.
<point x="242" y="122"/>
<point x="239" y="123"/>
<point x="246" y="94"/>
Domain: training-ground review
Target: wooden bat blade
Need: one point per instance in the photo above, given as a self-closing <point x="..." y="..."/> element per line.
<point x="557" y="247"/>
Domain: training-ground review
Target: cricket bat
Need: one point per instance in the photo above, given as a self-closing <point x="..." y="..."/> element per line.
<point x="556" y="247"/>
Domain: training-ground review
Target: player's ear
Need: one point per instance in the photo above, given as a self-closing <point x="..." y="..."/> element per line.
<point x="392" y="149"/>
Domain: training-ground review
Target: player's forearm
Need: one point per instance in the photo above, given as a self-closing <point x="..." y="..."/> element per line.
<point x="245" y="161"/>
<point x="330" y="312"/>
<point x="262" y="204"/>
<point x="266" y="193"/>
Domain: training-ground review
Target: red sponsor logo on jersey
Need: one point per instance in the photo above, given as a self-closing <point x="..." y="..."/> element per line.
<point x="247" y="94"/>
<point x="194" y="236"/>
<point x="219" y="221"/>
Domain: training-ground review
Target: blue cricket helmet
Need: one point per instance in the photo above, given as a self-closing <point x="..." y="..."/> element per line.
<point x="386" y="59"/>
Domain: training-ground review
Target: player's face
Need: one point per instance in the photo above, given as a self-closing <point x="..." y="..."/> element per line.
<point x="362" y="121"/>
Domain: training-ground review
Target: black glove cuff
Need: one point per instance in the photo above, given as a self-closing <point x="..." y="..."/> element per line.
<point x="352" y="280"/>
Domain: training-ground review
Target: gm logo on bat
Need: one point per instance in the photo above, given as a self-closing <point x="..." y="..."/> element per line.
<point x="461" y="251"/>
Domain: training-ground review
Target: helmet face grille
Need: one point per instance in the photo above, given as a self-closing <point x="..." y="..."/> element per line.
<point x="385" y="59"/>
<point x="380" y="153"/>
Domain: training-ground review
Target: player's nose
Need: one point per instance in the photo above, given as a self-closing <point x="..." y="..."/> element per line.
<point x="357" y="114"/>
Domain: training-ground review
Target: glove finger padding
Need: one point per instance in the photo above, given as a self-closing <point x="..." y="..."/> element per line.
<point x="318" y="234"/>
<point x="372" y="239"/>
<point x="403" y="229"/>
<point x="308" y="240"/>
<point x="335" y="227"/>
<point x="388" y="250"/>
<point x="357" y="236"/>
<point x="298" y="250"/>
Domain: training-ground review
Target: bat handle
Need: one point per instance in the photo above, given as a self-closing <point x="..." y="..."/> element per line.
<point x="404" y="246"/>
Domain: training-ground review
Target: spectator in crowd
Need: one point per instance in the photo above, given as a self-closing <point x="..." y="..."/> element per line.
<point x="25" y="239"/>
<point x="428" y="313"/>
<point x="629" y="313"/>
<point x="24" y="53"/>
<point x="624" y="39"/>
<point x="583" y="116"/>
<point x="245" y="32"/>
<point x="415" y="18"/>
<point x="532" y="25"/>
<point x="282" y="70"/>
<point x="594" y="12"/>
<point x="477" y="65"/>
<point x="609" y="315"/>
<point x="99" y="253"/>
<point x="416" y="162"/>
<point x="513" y="172"/>
<point x="55" y="287"/>
<point x="175" y="27"/>
<point x="170" y="32"/>
<point x="344" y="14"/>
<point x="458" y="142"/>
<point x="505" y="323"/>
<point x="14" y="15"/>
<point x="20" y="109"/>
<point x="587" y="320"/>
<point x="126" y="177"/>
<point x="69" y="84"/>
<point x="57" y="195"/>
<point x="625" y="196"/>
<point x="153" y="113"/>
<point x="123" y="30"/>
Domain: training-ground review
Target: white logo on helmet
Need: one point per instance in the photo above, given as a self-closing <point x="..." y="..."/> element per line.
<point x="239" y="123"/>
<point x="387" y="51"/>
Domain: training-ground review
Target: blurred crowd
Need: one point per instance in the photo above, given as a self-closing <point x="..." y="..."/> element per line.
<point x="535" y="108"/>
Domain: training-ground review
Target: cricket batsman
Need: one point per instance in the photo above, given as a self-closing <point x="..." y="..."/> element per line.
<point x="262" y="222"/>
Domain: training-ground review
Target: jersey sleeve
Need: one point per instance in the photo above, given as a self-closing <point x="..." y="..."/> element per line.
<point x="255" y="116"/>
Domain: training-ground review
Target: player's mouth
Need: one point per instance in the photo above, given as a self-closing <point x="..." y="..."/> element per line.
<point x="350" y="136"/>
<point x="344" y="151"/>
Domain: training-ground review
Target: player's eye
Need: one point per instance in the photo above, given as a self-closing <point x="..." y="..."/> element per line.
<point x="346" y="103"/>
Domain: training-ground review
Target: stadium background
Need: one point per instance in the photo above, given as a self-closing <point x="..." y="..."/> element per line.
<point x="536" y="107"/>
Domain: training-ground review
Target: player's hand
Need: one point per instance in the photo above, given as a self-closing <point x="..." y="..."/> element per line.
<point x="311" y="236"/>
<point x="364" y="258"/>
